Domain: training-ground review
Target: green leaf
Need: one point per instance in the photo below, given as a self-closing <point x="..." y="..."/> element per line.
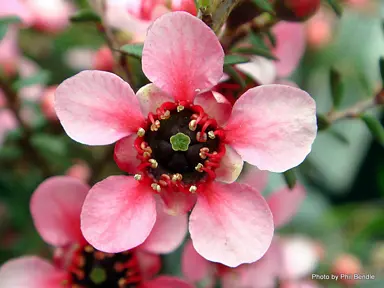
<point x="335" y="4"/>
<point x="381" y="63"/>
<point x="85" y="15"/>
<point x="235" y="76"/>
<point x="135" y="50"/>
<point x="337" y="88"/>
<point x="375" y="127"/>
<point x="235" y="59"/>
<point x="5" y="22"/>
<point x="290" y="178"/>
<point x="50" y="146"/>
<point x="256" y="51"/>
<point x="264" y="5"/>
<point x="322" y="122"/>
<point x="271" y="38"/>
<point x="257" y="41"/>
<point x="41" y="77"/>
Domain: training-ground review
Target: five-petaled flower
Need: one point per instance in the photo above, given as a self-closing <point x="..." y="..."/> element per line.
<point x="55" y="208"/>
<point x="271" y="127"/>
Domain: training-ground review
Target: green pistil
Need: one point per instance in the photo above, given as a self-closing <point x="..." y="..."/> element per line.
<point x="180" y="142"/>
<point x="98" y="275"/>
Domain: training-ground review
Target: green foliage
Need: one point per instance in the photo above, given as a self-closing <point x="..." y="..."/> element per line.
<point x="264" y="5"/>
<point x="235" y="75"/>
<point x="235" y="59"/>
<point x="85" y="15"/>
<point x="290" y="178"/>
<point x="41" y="77"/>
<point x="336" y="6"/>
<point x="135" y="50"/>
<point x="375" y="127"/>
<point x="5" y="22"/>
<point x="337" y="88"/>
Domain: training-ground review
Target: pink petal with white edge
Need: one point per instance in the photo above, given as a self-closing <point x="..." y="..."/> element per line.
<point x="166" y="282"/>
<point x="284" y="204"/>
<point x="151" y="98"/>
<point x="178" y="203"/>
<point x="30" y="272"/>
<point x="150" y="264"/>
<point x="231" y="224"/>
<point x="260" y="69"/>
<point x="97" y="108"/>
<point x="182" y="55"/>
<point x="254" y="177"/>
<point x="273" y="127"/>
<point x="168" y="232"/>
<point x="195" y="268"/>
<point x="118" y="214"/>
<point x="290" y="46"/>
<point x="230" y="166"/>
<point x="215" y="105"/>
<point x="125" y="154"/>
<point x="260" y="274"/>
<point x="56" y="207"/>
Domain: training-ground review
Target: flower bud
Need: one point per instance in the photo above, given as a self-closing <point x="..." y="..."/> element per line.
<point x="103" y="60"/>
<point x="296" y="10"/>
<point x="347" y="264"/>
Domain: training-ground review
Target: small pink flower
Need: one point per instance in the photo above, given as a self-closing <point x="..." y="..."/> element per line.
<point x="55" y="208"/>
<point x="261" y="274"/>
<point x="190" y="138"/>
<point x="47" y="103"/>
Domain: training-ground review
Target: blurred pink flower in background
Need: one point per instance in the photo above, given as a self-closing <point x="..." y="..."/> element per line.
<point x="55" y="208"/>
<point x="80" y="170"/>
<point x="47" y="103"/>
<point x="320" y="29"/>
<point x="251" y="133"/>
<point x="347" y="264"/>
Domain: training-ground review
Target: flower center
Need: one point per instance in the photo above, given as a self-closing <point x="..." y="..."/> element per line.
<point x="180" y="148"/>
<point x="92" y="268"/>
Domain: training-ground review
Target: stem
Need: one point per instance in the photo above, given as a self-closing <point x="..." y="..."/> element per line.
<point x="351" y="112"/>
<point x="13" y="105"/>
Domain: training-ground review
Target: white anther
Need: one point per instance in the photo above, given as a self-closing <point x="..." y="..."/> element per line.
<point x="156" y="187"/>
<point x="141" y="132"/>
<point x="211" y="135"/>
<point x="192" y="125"/>
<point x="137" y="177"/>
<point x="180" y="108"/>
<point x="193" y="189"/>
<point x="154" y="163"/>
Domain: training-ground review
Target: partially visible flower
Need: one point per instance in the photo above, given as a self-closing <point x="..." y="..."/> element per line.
<point x="80" y="170"/>
<point x="47" y="103"/>
<point x="55" y="208"/>
<point x="189" y="140"/>
<point x="347" y="264"/>
<point x="296" y="10"/>
<point x="319" y="29"/>
<point x="103" y="59"/>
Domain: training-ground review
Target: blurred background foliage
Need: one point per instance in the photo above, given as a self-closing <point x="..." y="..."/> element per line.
<point x="344" y="174"/>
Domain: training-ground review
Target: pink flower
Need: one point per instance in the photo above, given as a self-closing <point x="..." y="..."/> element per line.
<point x="189" y="139"/>
<point x="261" y="274"/>
<point x="55" y="208"/>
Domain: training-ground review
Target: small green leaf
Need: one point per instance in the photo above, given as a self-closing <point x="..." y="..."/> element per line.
<point x="5" y="22"/>
<point x="85" y="15"/>
<point x="322" y="122"/>
<point x="271" y="38"/>
<point x="335" y="4"/>
<point x="375" y="127"/>
<point x="135" y="50"/>
<point x="257" y="41"/>
<point x="235" y="59"/>
<point x="290" y="178"/>
<point x="337" y="88"/>
<point x="41" y="77"/>
<point x="235" y="76"/>
<point x="264" y="5"/>
<point x="381" y="63"/>
<point x="180" y="142"/>
<point x="256" y="51"/>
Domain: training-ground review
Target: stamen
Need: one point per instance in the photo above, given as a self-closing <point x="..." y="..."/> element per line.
<point x="211" y="135"/>
<point x="89" y="249"/>
<point x="156" y="187"/>
<point x="192" y="125"/>
<point x="180" y="108"/>
<point x="201" y="137"/>
<point x="165" y="115"/>
<point x="177" y="177"/>
<point x="138" y="177"/>
<point x="199" y="167"/>
<point x="203" y="152"/>
<point x="154" y="163"/>
<point x="141" y="132"/>
<point x="193" y="189"/>
<point x="155" y="126"/>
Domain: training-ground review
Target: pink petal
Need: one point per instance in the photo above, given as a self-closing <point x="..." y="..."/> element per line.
<point x="260" y="69"/>
<point x="273" y="127"/>
<point x="215" y="105"/>
<point x="181" y="55"/>
<point x="178" y="203"/>
<point x="168" y="232"/>
<point x="166" y="282"/>
<point x="9" y="51"/>
<point x="230" y="166"/>
<point x="254" y="177"/>
<point x="150" y="264"/>
<point x="184" y="5"/>
<point x="284" y="204"/>
<point x="125" y="154"/>
<point x="151" y="98"/>
<point x="290" y="47"/>
<point x="118" y="214"/>
<point x="260" y="274"/>
<point x="97" y="108"/>
<point x="231" y="224"/>
<point x="16" y="8"/>
<point x="195" y="268"/>
<point x="30" y="272"/>
<point x="56" y="207"/>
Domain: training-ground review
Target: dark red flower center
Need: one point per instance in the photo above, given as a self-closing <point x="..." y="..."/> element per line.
<point x="180" y="148"/>
<point x="95" y="269"/>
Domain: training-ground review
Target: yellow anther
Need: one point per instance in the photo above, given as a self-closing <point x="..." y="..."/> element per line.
<point x="141" y="132"/>
<point x="137" y="177"/>
<point x="211" y="135"/>
<point x="177" y="177"/>
<point x="203" y="152"/>
<point x="146" y="154"/>
<point x="199" y="167"/>
<point x="154" y="163"/>
<point x="180" y="108"/>
<point x="193" y="189"/>
<point x="155" y="126"/>
<point x="192" y="125"/>
<point x="166" y="115"/>
<point x="156" y="187"/>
